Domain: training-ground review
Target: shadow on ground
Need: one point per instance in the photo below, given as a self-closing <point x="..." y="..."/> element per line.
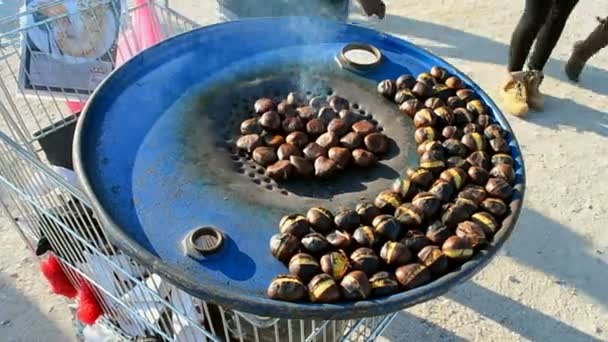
<point x="527" y="247"/>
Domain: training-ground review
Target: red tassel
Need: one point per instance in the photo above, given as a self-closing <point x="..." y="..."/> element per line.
<point x="60" y="284"/>
<point x="89" y="309"/>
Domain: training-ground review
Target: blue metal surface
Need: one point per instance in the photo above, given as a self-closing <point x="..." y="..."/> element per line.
<point x="129" y="154"/>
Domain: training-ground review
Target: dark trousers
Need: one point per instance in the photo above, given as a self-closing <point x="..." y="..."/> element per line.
<point x="543" y="20"/>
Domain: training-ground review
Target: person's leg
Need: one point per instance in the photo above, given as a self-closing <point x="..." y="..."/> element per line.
<point x="585" y="49"/>
<point x="530" y="23"/>
<point x="514" y="91"/>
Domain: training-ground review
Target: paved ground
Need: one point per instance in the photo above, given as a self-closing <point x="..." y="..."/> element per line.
<point x="549" y="284"/>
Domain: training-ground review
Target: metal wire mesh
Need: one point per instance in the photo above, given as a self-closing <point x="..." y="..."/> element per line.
<point x="42" y="204"/>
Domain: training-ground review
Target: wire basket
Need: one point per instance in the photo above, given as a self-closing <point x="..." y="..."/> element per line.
<point x="35" y="149"/>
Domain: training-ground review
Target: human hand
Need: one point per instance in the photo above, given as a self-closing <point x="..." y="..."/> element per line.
<point x="372" y="7"/>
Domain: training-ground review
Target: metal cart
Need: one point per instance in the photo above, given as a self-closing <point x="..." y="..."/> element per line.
<point x="36" y="131"/>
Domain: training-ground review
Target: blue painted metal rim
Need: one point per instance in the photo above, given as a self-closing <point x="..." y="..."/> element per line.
<point x="279" y="309"/>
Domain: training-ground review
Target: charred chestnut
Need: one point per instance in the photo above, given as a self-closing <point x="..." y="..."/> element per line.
<point x="424" y="118"/>
<point x="409" y="215"/>
<point x="499" y="145"/>
<point x="495" y="206"/>
<point x="405" y="188"/>
<point x="387" y="88"/>
<point x="383" y="284"/>
<point x="387" y="226"/>
<point x="347" y="219"/>
<point x="480" y="159"/>
<point x="502" y="158"/>
<point x="320" y="219"/>
<point x="335" y="264"/>
<point x="504" y="171"/>
<point x="457" y="162"/>
<point x="433" y="103"/>
<point x="442" y="190"/>
<point x="341" y="240"/>
<point x="287" y="288"/>
<point x="438" y="232"/>
<point x="463" y="117"/>
<point x="439" y="73"/>
<point x="478" y="175"/>
<point x="395" y="254"/>
<point x="474" y="141"/>
<point x="405" y="81"/>
<point x="472" y="128"/>
<point x="483" y="120"/>
<point x="455" y="176"/>
<point x="425" y="134"/>
<point x="403" y="95"/>
<point x="454" y="147"/>
<point x="494" y="131"/>
<point x="415" y="241"/>
<point x="430" y="146"/>
<point x="457" y="248"/>
<point x="284" y="246"/>
<point x="365" y="236"/>
<point x="304" y="266"/>
<point x="427" y="203"/>
<point x="421" y="177"/>
<point x="412" y="276"/>
<point x="471" y="231"/>
<point x="355" y="285"/>
<point x="487" y="222"/>
<point x="454" y="214"/>
<point x="432" y="161"/>
<point x="477" y="107"/>
<point x="475" y="193"/>
<point x="315" y="244"/>
<point x="422" y="90"/>
<point x="427" y="78"/>
<point x="365" y="259"/>
<point x="387" y="201"/>
<point x="294" y="224"/>
<point x="451" y="132"/>
<point x="454" y="82"/>
<point x="323" y="289"/>
<point x="433" y="258"/>
<point x="466" y="95"/>
<point x="498" y="187"/>
<point x="411" y="107"/>
<point x="367" y="211"/>
<point x="455" y="102"/>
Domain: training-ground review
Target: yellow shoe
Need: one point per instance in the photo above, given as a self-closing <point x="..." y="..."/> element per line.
<point x="536" y="99"/>
<point x="515" y="95"/>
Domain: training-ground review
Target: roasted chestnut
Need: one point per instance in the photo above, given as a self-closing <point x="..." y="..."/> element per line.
<point x="387" y="88"/>
<point x="415" y="240"/>
<point x="455" y="176"/>
<point x="411" y="107"/>
<point x="427" y="203"/>
<point x="412" y="275"/>
<point x="317" y="102"/>
<point x="403" y="95"/>
<point x="466" y="95"/>
<point x="395" y="254"/>
<point x="483" y="120"/>
<point x="364" y="127"/>
<point x="303" y="167"/>
<point x="425" y="134"/>
<point x="487" y="222"/>
<point x="405" y="188"/>
<point x="367" y="211"/>
<point x="248" y="142"/>
<point x="471" y="231"/>
<point x="454" y="82"/>
<point x="457" y="248"/>
<point x="463" y="117"/>
<point x="304" y="266"/>
<point x="472" y="128"/>
<point x="365" y="259"/>
<point x="430" y="145"/>
<point x="284" y="246"/>
<point x="340" y="155"/>
<point x="494" y="131"/>
<point x="323" y="289"/>
<point x="454" y="147"/>
<point x="494" y="206"/>
<point x="457" y="162"/>
<point x="433" y="258"/>
<point x="424" y="118"/>
<point x="363" y="158"/>
<point x="315" y="244"/>
<point x="327" y="140"/>
<point x="320" y="219"/>
<point x="499" y="145"/>
<point x="365" y="236"/>
<point x="292" y="124"/>
<point x="315" y="127"/>
<point x="433" y="103"/>
<point x="376" y="143"/>
<point x="442" y="91"/>
<point x="251" y="126"/>
<point x="287" y="150"/>
<point x="445" y="116"/>
<point x="455" y="102"/>
<point x="427" y="78"/>
<point x="442" y="190"/>
<point x="454" y="214"/>
<point x="347" y="219"/>
<point x="273" y="140"/>
<point x="294" y="224"/>
<point x="338" y="126"/>
<point x="326" y="114"/>
<point x="355" y="285"/>
<point x="338" y="103"/>
<point x="325" y="167"/>
<point x="421" y="177"/>
<point x="387" y="201"/>
<point x="339" y="239"/>
<point x="313" y="151"/>
<point x="469" y="205"/>
<point x="451" y="132"/>
<point x="477" y="107"/>
<point x="298" y="139"/>
<point x="270" y="120"/>
<point x="387" y="226"/>
<point x="504" y="171"/>
<point x="405" y="81"/>
<point x="263" y="105"/>
<point x="351" y="140"/>
<point x="422" y="90"/>
<point x="480" y="159"/>
<point x="439" y="73"/>
<point x="281" y="170"/>
<point x="335" y="264"/>
<point x="264" y="155"/>
<point x="383" y="284"/>
<point x="478" y="175"/>
<point x="432" y="161"/>
<point x="438" y="232"/>
<point x="287" y="288"/>
<point x="474" y="141"/>
<point x="475" y="193"/>
<point x="502" y="158"/>
<point x="409" y="215"/>
<point x="498" y="187"/>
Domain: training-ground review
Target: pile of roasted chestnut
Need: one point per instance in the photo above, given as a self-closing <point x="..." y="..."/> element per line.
<point x="434" y="218"/>
<point x="319" y="138"/>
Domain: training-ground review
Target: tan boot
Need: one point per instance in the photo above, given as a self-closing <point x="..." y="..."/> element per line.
<point x="534" y="78"/>
<point x="515" y="94"/>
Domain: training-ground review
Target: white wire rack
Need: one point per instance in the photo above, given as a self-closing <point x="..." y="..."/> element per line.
<point x="41" y="203"/>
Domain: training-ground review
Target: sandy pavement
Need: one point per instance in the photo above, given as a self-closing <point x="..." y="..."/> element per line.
<point x="550" y="282"/>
